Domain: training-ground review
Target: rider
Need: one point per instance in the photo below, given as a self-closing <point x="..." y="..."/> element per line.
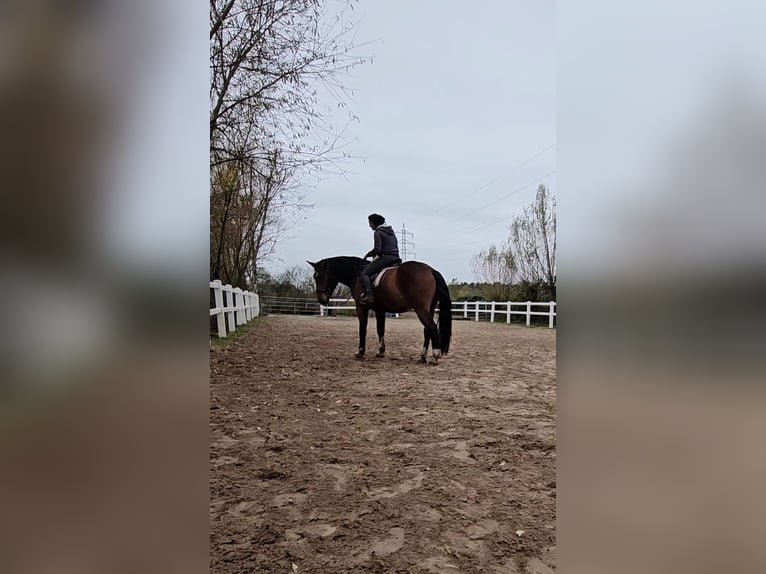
<point x="387" y="251"/>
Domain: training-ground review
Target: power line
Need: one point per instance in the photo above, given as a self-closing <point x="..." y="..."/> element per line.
<point x="479" y="227"/>
<point x="498" y="178"/>
<point x="506" y="196"/>
<point x="451" y="241"/>
<point x="534" y="181"/>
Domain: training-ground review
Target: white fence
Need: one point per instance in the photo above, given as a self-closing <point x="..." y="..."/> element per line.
<point x="289" y="306"/>
<point x="344" y="304"/>
<point x="240" y="306"/>
<point x="477" y="309"/>
<point x="233" y="306"/>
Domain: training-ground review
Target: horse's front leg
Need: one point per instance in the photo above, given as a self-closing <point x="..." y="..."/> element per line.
<point x="361" y="313"/>
<point x="381" y="319"/>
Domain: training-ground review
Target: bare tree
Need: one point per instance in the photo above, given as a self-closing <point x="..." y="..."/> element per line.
<point x="301" y="279"/>
<point x="495" y="267"/>
<point x="271" y="62"/>
<point x="248" y="209"/>
<point x="532" y="240"/>
<point x="275" y="67"/>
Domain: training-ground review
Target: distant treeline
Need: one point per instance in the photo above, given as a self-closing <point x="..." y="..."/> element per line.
<point x="521" y="291"/>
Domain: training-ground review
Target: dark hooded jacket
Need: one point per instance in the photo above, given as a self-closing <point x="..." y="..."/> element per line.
<point x="385" y="242"/>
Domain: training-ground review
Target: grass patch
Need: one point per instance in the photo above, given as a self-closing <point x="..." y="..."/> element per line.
<point x="216" y="342"/>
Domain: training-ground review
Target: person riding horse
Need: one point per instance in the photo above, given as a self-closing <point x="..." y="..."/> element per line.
<point x="387" y="251"/>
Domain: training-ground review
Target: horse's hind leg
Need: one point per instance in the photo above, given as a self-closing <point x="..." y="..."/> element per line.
<point x="436" y="346"/>
<point x="430" y="335"/>
<point x="436" y="342"/>
<point x="426" y="339"/>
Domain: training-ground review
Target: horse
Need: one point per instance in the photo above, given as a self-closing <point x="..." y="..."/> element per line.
<point x="409" y="286"/>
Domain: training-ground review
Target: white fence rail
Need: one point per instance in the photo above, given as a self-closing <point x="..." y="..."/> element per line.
<point x="233" y="307"/>
<point x="289" y="306"/>
<point x="475" y="309"/>
<point x="337" y="305"/>
<point x="471" y="310"/>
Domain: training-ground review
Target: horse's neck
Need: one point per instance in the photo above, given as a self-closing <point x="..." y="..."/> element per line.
<point x="347" y="270"/>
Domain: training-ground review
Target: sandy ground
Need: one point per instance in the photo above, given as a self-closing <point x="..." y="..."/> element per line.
<point x="321" y="463"/>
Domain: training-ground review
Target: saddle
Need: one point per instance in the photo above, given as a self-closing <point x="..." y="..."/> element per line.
<point x="379" y="276"/>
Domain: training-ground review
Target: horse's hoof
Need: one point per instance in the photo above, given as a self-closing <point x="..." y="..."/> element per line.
<point x="359" y="355"/>
<point x="422" y="360"/>
<point x="380" y="355"/>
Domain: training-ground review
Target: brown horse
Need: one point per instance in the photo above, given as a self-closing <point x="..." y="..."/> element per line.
<point x="409" y="286"/>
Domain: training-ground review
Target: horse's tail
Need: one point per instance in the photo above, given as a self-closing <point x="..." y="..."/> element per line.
<point x="445" y="311"/>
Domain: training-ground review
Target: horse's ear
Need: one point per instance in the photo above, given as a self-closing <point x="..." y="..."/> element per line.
<point x="314" y="265"/>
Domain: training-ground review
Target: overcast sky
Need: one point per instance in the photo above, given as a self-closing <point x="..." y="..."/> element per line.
<point x="458" y="95"/>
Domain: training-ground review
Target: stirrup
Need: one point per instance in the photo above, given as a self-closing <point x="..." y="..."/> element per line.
<point x="367" y="299"/>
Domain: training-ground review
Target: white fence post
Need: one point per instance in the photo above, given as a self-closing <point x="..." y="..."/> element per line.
<point x="220" y="319"/>
<point x="551" y="305"/>
<point x="492" y="313"/>
<point x="529" y="312"/>
<point x="228" y="297"/>
<point x="321" y="310"/>
<point x="477" y="309"/>
<point x="508" y="313"/>
<point x="255" y="305"/>
<point x="239" y="306"/>
<point x="465" y="309"/>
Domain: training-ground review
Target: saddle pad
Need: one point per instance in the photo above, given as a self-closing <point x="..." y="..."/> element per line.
<point x="381" y="274"/>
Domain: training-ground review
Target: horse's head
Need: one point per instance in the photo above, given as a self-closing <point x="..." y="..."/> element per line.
<point x="325" y="281"/>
